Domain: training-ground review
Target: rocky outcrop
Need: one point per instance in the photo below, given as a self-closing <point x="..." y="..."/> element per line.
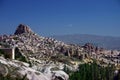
<point x="89" y="48"/>
<point x="59" y="75"/>
<point x="22" y="29"/>
<point x="3" y="70"/>
<point x="41" y="52"/>
<point x="19" y="70"/>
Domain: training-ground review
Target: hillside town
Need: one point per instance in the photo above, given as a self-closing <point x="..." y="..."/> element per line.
<point x="44" y="54"/>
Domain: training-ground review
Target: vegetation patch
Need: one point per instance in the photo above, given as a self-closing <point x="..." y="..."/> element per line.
<point x="93" y="71"/>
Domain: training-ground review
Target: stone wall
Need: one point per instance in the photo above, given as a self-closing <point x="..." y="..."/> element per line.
<point x="9" y="52"/>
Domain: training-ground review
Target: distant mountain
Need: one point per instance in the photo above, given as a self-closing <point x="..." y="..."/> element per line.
<point x="107" y="42"/>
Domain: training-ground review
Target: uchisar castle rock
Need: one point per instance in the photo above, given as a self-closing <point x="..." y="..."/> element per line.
<point x="43" y="58"/>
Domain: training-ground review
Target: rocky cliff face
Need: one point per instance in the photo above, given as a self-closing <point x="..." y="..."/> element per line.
<point x="22" y="29"/>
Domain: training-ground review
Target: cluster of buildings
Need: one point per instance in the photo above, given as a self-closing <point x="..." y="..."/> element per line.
<point x="35" y="46"/>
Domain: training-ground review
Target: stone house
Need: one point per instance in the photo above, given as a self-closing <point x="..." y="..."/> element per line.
<point x="8" y="52"/>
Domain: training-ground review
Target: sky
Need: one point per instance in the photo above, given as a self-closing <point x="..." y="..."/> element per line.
<point x="61" y="17"/>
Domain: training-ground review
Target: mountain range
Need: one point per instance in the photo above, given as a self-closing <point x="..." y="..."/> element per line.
<point x="107" y="42"/>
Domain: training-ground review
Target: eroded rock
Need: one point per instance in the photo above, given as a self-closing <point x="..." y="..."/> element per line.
<point x="22" y="29"/>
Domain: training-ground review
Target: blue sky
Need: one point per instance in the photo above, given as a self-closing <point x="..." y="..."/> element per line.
<point x="59" y="17"/>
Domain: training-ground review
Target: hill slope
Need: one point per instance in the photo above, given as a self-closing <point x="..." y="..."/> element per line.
<point x="42" y="58"/>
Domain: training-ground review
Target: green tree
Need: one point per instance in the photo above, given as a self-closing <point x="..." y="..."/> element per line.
<point x="93" y="72"/>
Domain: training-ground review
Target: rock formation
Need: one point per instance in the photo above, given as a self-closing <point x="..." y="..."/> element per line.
<point x="48" y="56"/>
<point x="17" y="70"/>
<point x="22" y="29"/>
